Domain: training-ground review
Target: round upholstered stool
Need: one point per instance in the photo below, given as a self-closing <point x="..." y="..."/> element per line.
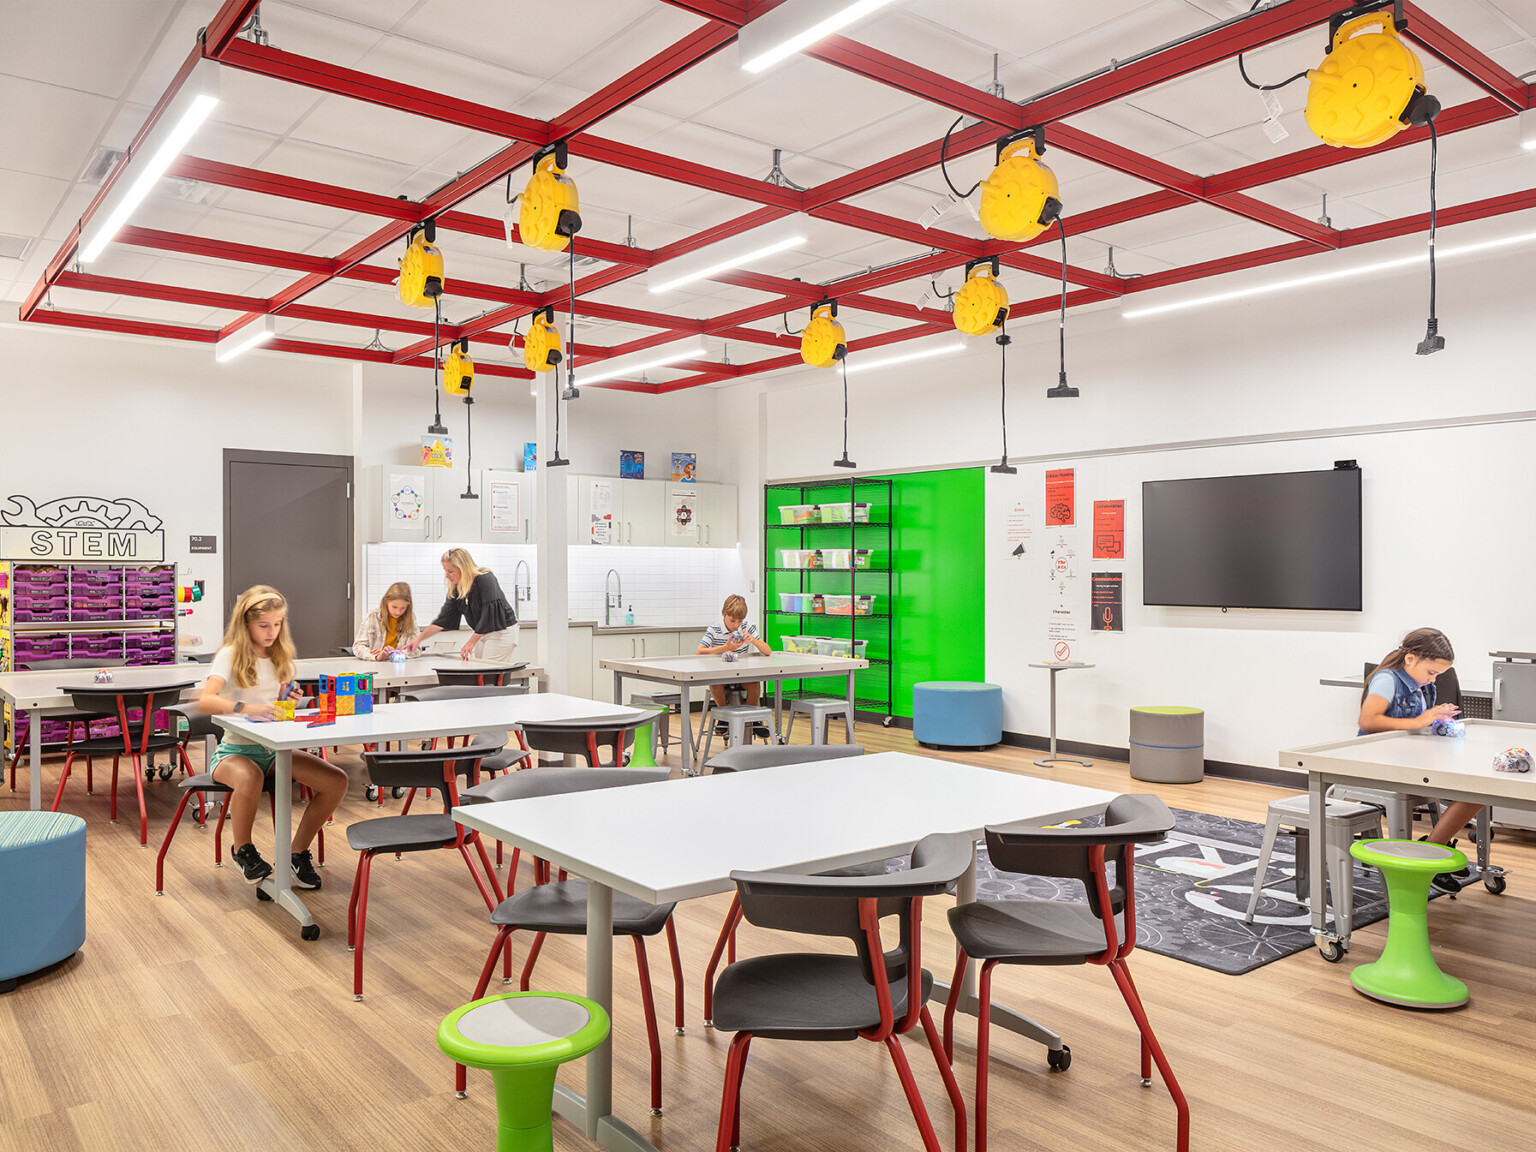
<point x="957" y="713"/>
<point x="42" y="896"/>
<point x="1407" y="973"/>
<point x="521" y="1039"/>
<point x="1168" y="745"/>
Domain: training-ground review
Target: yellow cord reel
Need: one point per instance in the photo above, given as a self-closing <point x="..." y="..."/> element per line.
<point x="1366" y="86"/>
<point x="541" y="347"/>
<point x="550" y="213"/>
<point x="459" y="369"/>
<point x="981" y="303"/>
<point x="1021" y="198"/>
<point x="421" y="268"/>
<point x="823" y="342"/>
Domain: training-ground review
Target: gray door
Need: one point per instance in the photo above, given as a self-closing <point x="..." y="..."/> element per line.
<point x="288" y="523"/>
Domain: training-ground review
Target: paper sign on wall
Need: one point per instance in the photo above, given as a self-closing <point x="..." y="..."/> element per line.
<point x="405" y="500"/>
<point x="506" y="515"/>
<point x="1020" y="528"/>
<point x="1108" y="529"/>
<point x="436" y="452"/>
<point x="1060" y="497"/>
<point x="600" y="524"/>
<point x="1108" y="601"/>
<point x="683" y="523"/>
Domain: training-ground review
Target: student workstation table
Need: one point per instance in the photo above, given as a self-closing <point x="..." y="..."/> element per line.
<point x="678" y="839"/>
<point x="387" y="722"/>
<point x="1446" y="767"/>
<point x="41" y="693"/>
<point x="687" y="671"/>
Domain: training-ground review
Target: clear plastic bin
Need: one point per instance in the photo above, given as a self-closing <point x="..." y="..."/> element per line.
<point x="837" y="513"/>
<point x="836" y="647"/>
<point x="795" y="602"/>
<point x="863" y="557"/>
<point x="837" y="557"/>
<point x="799" y="514"/>
<point x="850" y="605"/>
<point x="800" y="558"/>
<point x="806" y="645"/>
<point x="861" y="513"/>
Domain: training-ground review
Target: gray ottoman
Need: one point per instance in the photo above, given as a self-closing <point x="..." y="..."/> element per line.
<point x="1168" y="745"/>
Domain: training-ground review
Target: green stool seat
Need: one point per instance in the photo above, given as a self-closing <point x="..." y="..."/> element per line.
<point x="1407" y="973"/>
<point x="522" y="1038"/>
<point x="643" y="755"/>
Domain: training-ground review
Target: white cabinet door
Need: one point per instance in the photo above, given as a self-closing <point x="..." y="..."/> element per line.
<point x="683" y="515"/>
<point x="578" y="669"/>
<point x="717" y="519"/>
<point x="599" y="503"/>
<point x="456" y="520"/>
<point x="610" y="648"/>
<point x="405" y="502"/>
<point x="643" y="503"/>
<point x="658" y="644"/>
<point x="506" y="507"/>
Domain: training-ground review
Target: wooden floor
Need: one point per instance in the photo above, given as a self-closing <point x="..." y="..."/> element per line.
<point x="199" y="1020"/>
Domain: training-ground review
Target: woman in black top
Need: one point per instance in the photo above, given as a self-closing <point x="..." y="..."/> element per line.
<point x="475" y="598"/>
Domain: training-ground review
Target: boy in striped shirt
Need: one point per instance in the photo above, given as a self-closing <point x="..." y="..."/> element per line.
<point x="733" y="634"/>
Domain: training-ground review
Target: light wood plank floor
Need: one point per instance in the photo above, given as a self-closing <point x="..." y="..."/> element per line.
<point x="199" y="1020"/>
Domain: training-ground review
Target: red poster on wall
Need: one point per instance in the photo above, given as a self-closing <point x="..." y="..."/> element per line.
<point x="1060" y="497"/>
<point x="1108" y="529"/>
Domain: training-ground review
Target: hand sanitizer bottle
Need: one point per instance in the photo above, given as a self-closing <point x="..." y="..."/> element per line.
<point x="629" y="617"/>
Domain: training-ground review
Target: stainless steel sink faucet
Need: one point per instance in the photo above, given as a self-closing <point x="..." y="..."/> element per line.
<point x="612" y="600"/>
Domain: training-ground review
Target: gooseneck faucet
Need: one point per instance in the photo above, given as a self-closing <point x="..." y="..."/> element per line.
<point x="616" y="600"/>
<point x="522" y="585"/>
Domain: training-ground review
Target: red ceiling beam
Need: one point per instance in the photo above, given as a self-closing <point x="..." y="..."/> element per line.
<point x="123" y="326"/>
<point x="225" y="26"/>
<point x="732" y="12"/>
<point x="1498" y="82"/>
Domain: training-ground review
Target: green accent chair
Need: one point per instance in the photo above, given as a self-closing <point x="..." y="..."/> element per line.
<point x="521" y="1039"/>
<point x="643" y="755"/>
<point x="1407" y="973"/>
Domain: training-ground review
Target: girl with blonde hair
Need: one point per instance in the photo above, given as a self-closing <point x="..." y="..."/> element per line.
<point x="474" y="597"/>
<point x="249" y="674"/>
<point x="390" y="626"/>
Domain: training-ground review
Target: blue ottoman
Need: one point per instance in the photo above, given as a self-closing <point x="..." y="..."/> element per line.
<point x="957" y="713"/>
<point x="42" y="891"/>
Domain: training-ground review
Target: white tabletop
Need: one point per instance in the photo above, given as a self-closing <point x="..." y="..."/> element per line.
<point x="1058" y="664"/>
<point x="718" y="670"/>
<point x="1433" y="765"/>
<point x="421" y="720"/>
<point x="677" y="839"/>
<point x="41" y="689"/>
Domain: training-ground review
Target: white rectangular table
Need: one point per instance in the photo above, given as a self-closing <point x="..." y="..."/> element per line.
<point x="39" y="692"/>
<point x="409" y="721"/>
<point x="687" y="671"/>
<point x="1448" y="767"/>
<point x="678" y="839"/>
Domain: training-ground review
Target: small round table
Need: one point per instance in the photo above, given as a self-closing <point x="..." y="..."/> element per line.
<point x="1407" y="973"/>
<point x="522" y="1038"/>
<point x="1046" y="761"/>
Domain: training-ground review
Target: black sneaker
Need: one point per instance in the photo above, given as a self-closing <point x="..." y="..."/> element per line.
<point x="761" y="731"/>
<point x="722" y="728"/>
<point x="1446" y="882"/>
<point x="255" y="868"/>
<point x="304" y="874"/>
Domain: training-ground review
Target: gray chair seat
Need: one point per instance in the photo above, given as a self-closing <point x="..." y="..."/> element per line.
<point x="198" y="723"/>
<point x="747" y="757"/>
<point x="1049" y="932"/>
<point x="555" y="781"/>
<point x="560" y="908"/>
<point x="204" y="782"/>
<point x="413" y="833"/>
<point x="463" y="691"/>
<point x="803" y="996"/>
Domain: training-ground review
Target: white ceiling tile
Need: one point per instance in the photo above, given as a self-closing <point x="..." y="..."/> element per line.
<point x="1130" y="127"/>
<point x="354" y="170"/>
<point x="395" y="136"/>
<point x="27" y="201"/>
<point x="379" y="14"/>
<point x="1018" y="27"/>
<point x="104" y="62"/>
<point x="1214" y="244"/>
<point x="1189" y="220"/>
<point x="519" y="34"/>
<point x="207" y="275"/>
<point x="50" y="130"/>
<point x="1120" y="30"/>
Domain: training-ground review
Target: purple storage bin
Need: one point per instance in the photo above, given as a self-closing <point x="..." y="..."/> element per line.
<point x="86" y="615"/>
<point x="32" y="616"/>
<point x="103" y="644"/>
<point x="82" y="579"/>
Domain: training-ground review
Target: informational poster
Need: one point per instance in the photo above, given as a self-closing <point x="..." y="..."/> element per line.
<point x="506" y="516"/>
<point x="600" y="526"/>
<point x="405" y="500"/>
<point x="1060" y="497"/>
<point x="1108" y="604"/>
<point x="1065" y="600"/>
<point x="436" y="452"/>
<point x="1061" y="630"/>
<point x="1019" y="527"/>
<point x="1063" y="566"/>
<point x="631" y="464"/>
<point x="683" y="521"/>
<point x="1108" y="529"/>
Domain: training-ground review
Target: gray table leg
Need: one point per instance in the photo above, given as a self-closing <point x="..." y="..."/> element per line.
<point x="687" y="710"/>
<point x="1316" y="807"/>
<point x="35" y="739"/>
<point x="280" y="885"/>
<point x="600" y="991"/>
<point x="618" y="687"/>
<point x="778" y="710"/>
<point x="1053" y="758"/>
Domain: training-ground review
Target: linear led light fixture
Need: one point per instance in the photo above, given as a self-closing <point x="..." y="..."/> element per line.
<point x="158" y="150"/>
<point x="255" y="333"/>
<point x="634" y="363"/>
<point x="1324" y="277"/>
<point x="794" y="26"/>
<point x="1527" y="122"/>
<point x="737" y="252"/>
<point x="944" y="348"/>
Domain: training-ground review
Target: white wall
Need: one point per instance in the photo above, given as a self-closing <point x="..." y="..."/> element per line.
<point x="1286" y="382"/>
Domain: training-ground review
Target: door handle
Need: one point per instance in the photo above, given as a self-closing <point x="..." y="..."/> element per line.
<point x="631" y="647"/>
<point x="642" y="647"/>
<point x="527" y="531"/>
<point x="439" y="527"/>
<point x="1498" y="694"/>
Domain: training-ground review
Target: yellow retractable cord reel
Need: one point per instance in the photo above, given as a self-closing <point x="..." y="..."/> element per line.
<point x="1368" y="88"/>
<point x="458" y="380"/>
<point x="981" y="308"/>
<point x="421" y="285"/>
<point x="823" y="343"/>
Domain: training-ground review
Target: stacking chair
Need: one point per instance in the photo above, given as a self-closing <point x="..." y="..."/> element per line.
<point x="135" y="738"/>
<point x="559" y="906"/>
<point x="415" y="768"/>
<point x="480" y="677"/>
<point x="21" y="733"/>
<point x="586" y="738"/>
<point x="822" y="996"/>
<point x="1102" y="931"/>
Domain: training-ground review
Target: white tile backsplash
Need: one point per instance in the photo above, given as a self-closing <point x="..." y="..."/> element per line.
<point x="663" y="585"/>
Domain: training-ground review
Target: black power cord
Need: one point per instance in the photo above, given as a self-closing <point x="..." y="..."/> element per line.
<point x="1003" y="340"/>
<point x="1433" y="342"/>
<point x="1062" y="389"/>
<point x="943" y="150"/>
<point x="1243" y="72"/>
<point x="571" y="391"/>
<point x="554" y="398"/>
<point x="845" y="462"/>
<point x="437" y="427"/>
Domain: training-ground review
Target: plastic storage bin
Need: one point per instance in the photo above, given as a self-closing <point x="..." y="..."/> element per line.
<point x="836" y="647"/>
<point x="799" y="514"/>
<point x="837" y="557"/>
<point x="837" y="513"/>
<point x="795" y="602"/>
<point x="850" y="605"/>
<point x="800" y="558"/>
<point x="806" y="645"/>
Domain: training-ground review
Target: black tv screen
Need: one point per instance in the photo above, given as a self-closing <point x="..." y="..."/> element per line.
<point x="1279" y="540"/>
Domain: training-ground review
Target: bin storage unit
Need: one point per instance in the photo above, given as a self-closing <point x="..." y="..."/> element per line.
<point x="827" y="551"/>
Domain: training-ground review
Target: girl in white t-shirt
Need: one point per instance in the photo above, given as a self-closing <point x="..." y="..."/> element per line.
<point x="249" y="674"/>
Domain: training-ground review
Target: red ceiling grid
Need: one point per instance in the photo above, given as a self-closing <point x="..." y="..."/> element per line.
<point x="1173" y="188"/>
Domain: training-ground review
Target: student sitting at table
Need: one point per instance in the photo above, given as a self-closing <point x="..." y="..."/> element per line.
<point x="389" y="627"/>
<point x="734" y="634"/>
<point x="249" y="674"/>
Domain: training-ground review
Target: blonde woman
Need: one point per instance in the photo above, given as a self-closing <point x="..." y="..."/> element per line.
<point x="392" y="625"/>
<point x="249" y="674"/>
<point x="474" y="598"/>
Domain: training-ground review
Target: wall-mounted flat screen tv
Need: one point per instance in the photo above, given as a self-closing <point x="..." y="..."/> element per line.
<point x="1279" y="540"/>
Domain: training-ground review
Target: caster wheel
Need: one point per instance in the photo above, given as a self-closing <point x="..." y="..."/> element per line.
<point x="370" y="794"/>
<point x="167" y="772"/>
<point x="1494" y="884"/>
<point x="1060" y="1060"/>
<point x="149" y="775"/>
<point x="461" y="1095"/>
<point x="309" y="932"/>
<point x="887" y="722"/>
<point x="397" y="793"/>
<point x="263" y="895"/>
<point x="1331" y="950"/>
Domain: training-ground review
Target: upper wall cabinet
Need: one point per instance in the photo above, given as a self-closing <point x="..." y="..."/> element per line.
<point x="507" y="507"/>
<point x="425" y="505"/>
<point x="651" y="513"/>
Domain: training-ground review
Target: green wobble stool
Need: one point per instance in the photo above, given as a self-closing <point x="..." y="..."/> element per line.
<point x="643" y="755"/>
<point x="1407" y="973"/>
<point x="521" y="1039"/>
